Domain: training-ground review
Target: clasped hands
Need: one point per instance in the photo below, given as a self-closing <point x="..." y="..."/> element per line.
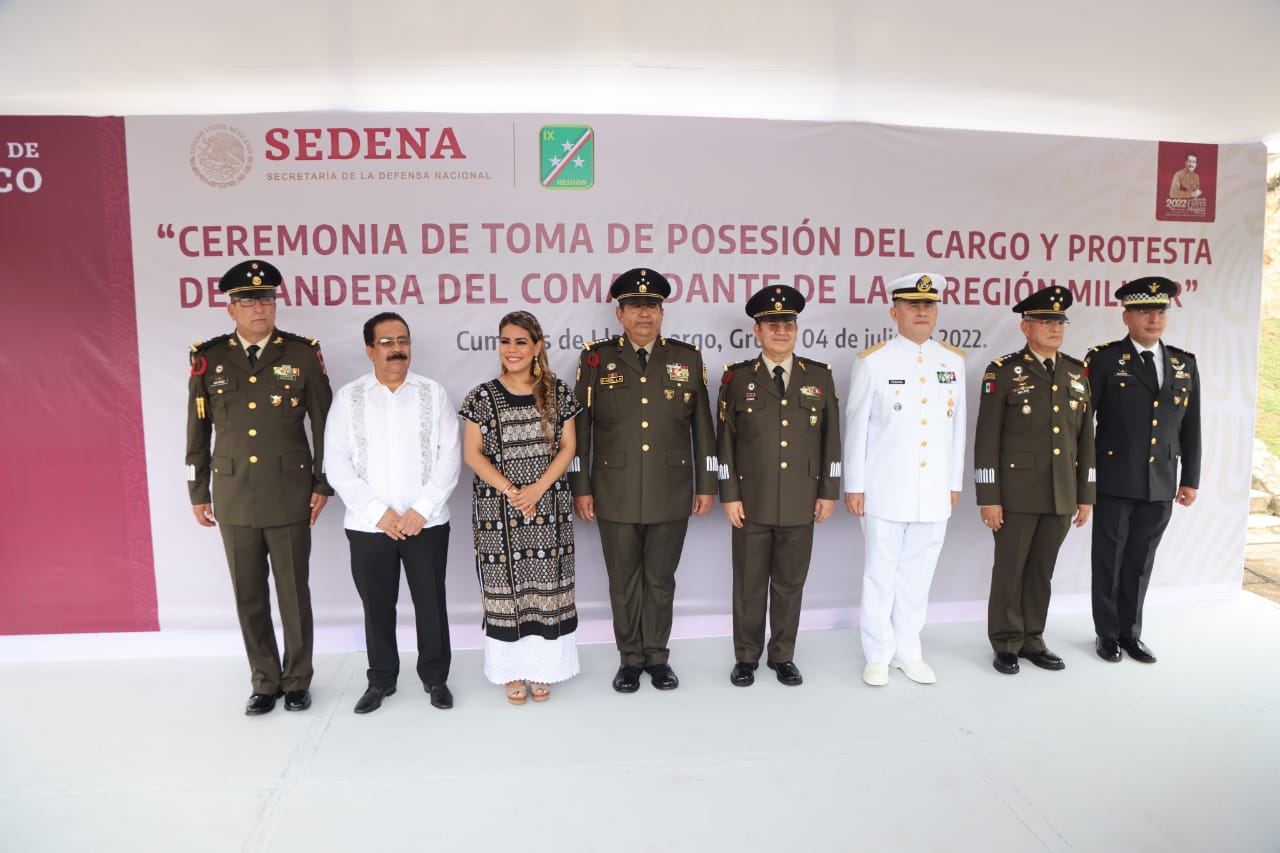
<point x="401" y="526"/>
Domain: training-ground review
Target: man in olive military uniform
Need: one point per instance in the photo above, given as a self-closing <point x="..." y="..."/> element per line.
<point x="256" y="386"/>
<point x="1146" y="397"/>
<point x="779" y="451"/>
<point x="1033" y="461"/>
<point x="644" y="441"/>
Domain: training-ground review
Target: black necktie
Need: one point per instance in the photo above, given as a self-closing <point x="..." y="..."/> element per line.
<point x="1048" y="365"/>
<point x="777" y="380"/>
<point x="643" y="355"/>
<point x="1149" y="365"/>
<point x="253" y="354"/>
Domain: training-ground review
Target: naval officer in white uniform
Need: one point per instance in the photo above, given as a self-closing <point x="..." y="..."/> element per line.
<point x="904" y="445"/>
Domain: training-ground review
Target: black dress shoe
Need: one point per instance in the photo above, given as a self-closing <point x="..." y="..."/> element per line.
<point x="1006" y="662"/>
<point x="1108" y="649"/>
<point x="1044" y="659"/>
<point x="1138" y="651"/>
<point x="297" y="700"/>
<point x="441" y="696"/>
<point x="628" y="679"/>
<point x="743" y="675"/>
<point x="261" y="703"/>
<point x="372" y="699"/>
<point x="662" y="676"/>
<point x="787" y="671"/>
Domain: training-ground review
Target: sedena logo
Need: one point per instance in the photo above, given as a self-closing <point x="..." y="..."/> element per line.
<point x="567" y="157"/>
<point x="221" y="155"/>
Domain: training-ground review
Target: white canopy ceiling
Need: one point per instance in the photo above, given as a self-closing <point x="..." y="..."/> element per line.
<point x="1174" y="70"/>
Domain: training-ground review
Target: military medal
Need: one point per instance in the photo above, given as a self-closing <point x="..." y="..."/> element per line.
<point x="678" y="372"/>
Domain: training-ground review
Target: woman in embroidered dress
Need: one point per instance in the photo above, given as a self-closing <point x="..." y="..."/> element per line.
<point x="519" y="441"/>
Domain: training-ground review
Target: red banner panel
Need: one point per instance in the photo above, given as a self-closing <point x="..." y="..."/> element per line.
<point x="75" y="553"/>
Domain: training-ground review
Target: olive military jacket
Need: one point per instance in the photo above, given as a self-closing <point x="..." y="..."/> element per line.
<point x="644" y="438"/>
<point x="779" y="453"/>
<point x="1143" y="432"/>
<point x="1033" y="446"/>
<point x="262" y="469"/>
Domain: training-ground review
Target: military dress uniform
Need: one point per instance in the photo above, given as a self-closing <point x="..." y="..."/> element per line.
<point x="1148" y="439"/>
<point x="779" y="453"/>
<point x="644" y="441"/>
<point x="904" y="452"/>
<point x="1033" y="455"/>
<point x="263" y="473"/>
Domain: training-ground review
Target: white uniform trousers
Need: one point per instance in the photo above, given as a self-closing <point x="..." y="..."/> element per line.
<point x="898" y="566"/>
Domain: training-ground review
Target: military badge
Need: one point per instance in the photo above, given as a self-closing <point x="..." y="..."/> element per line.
<point x="199" y="366"/>
<point x="276" y="399"/>
<point x="669" y="393"/>
<point x="1177" y="401"/>
<point x="751" y="386"/>
<point x="286" y="371"/>
<point x="611" y="366"/>
<point x="294" y="402"/>
<point x="217" y="369"/>
<point x="946" y="376"/>
<point x="813" y="420"/>
<point x="678" y="372"/>
<point x="1077" y="386"/>
<point x="812" y="391"/>
<point x="593" y="359"/>
<point x="1074" y="404"/>
<point x="219" y="381"/>
<point x="897" y="407"/>
<point x="688" y="396"/>
<point x="1026" y="410"/>
<point x="612" y="379"/>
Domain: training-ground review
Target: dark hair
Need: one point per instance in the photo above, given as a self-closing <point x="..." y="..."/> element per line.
<point x="372" y="323"/>
<point x="544" y="381"/>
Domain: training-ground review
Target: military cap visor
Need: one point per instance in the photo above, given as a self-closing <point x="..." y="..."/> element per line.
<point x="250" y="278"/>
<point x="779" y="301"/>
<point x="1151" y="291"/>
<point x="1048" y="304"/>
<point x="917" y="287"/>
<point x="640" y="287"/>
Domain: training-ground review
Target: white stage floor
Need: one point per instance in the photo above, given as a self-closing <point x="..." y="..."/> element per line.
<point x="155" y="754"/>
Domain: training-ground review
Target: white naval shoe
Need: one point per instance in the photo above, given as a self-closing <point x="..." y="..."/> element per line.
<point x="917" y="670"/>
<point x="876" y="674"/>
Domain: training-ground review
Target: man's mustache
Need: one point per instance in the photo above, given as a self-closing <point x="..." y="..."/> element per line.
<point x="397" y="356"/>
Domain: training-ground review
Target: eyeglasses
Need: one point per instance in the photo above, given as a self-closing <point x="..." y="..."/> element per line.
<point x="250" y="301"/>
<point x="385" y="343"/>
<point x="1057" y="324"/>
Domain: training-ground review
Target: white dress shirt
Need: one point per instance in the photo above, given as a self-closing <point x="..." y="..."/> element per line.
<point x="392" y="449"/>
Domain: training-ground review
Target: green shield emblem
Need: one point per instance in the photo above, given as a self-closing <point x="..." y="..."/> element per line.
<point x="568" y="157"/>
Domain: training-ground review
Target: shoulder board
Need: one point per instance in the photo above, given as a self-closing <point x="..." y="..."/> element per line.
<point x="866" y="352"/>
<point x="808" y="362"/>
<point x="739" y="364"/>
<point x="1071" y="358"/>
<point x="679" y="342"/>
<point x="1006" y="357"/>
<point x="204" y="345"/>
<point x="302" y="339"/>
<point x="1188" y="353"/>
<point x="599" y="343"/>
<point x="1107" y="345"/>
<point x="953" y="349"/>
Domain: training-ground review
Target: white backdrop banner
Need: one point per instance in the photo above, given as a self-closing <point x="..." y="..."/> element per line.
<point x="453" y="220"/>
